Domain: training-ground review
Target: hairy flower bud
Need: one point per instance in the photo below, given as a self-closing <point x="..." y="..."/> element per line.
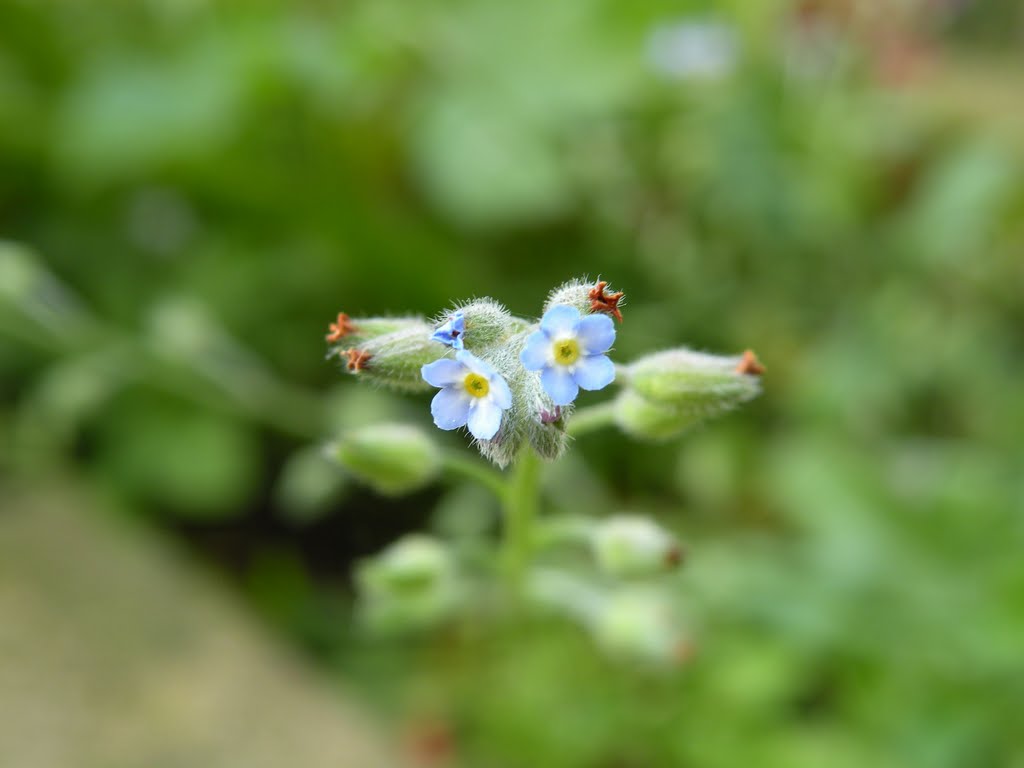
<point x="395" y="359"/>
<point x="346" y="332"/>
<point x="670" y="391"/>
<point x="586" y="296"/>
<point x="648" y="420"/>
<point x="694" y="379"/>
<point x="633" y="546"/>
<point x="412" y="583"/>
<point x="487" y="323"/>
<point x="391" y="458"/>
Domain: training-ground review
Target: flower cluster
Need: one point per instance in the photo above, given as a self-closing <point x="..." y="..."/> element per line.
<point x="562" y="354"/>
<point x="567" y="352"/>
<point x="509" y="381"/>
<point x="513" y="382"/>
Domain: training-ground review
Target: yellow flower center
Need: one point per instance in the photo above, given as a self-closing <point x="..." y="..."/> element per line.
<point x="567" y="351"/>
<point x="476" y="385"/>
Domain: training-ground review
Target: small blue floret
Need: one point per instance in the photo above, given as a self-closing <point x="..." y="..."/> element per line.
<point x="472" y="394"/>
<point x="452" y="331"/>
<point x="569" y="351"/>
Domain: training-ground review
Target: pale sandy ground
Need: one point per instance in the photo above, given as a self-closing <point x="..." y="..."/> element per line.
<point x="115" y="652"/>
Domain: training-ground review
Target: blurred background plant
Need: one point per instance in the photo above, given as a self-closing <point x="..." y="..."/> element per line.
<point x="190" y="191"/>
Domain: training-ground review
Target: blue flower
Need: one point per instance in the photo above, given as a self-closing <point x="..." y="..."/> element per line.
<point x="569" y="350"/>
<point x="472" y="393"/>
<point x="451" y="332"/>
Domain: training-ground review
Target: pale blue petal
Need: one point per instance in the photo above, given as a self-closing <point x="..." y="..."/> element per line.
<point x="446" y="336"/>
<point x="500" y="393"/>
<point x="537" y="352"/>
<point x="596" y="334"/>
<point x="484" y="419"/>
<point x="560" y="321"/>
<point x="475" y="364"/>
<point x="594" y="372"/>
<point x="443" y="372"/>
<point x="450" y="408"/>
<point x="452" y="331"/>
<point x="559" y="385"/>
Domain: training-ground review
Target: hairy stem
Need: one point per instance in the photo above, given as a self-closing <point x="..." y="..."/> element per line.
<point x="521" y="502"/>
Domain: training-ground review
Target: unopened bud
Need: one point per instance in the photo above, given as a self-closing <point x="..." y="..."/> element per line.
<point x="639" y="624"/>
<point x="647" y="420"/>
<point x="631" y="546"/>
<point x="394" y="359"/>
<point x="668" y="392"/>
<point x="392" y="458"/>
<point x="409" y="566"/>
<point x="681" y="377"/>
<point x="410" y="584"/>
<point x="486" y="324"/>
<point x="346" y="332"/>
<point x="588" y="297"/>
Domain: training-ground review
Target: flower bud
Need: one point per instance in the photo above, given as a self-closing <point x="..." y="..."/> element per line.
<point x="630" y="546"/>
<point x="587" y="297"/>
<point x="348" y="331"/>
<point x="487" y="323"/>
<point x="410" y="584"/>
<point x="639" y="624"/>
<point x="683" y="378"/>
<point x="391" y="458"/>
<point x="647" y="420"/>
<point x="668" y="392"/>
<point x="394" y="359"/>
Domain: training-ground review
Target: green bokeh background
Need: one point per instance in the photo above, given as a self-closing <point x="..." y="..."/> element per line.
<point x="191" y="190"/>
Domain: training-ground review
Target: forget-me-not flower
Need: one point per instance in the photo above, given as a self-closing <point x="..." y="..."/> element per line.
<point x="472" y="393"/>
<point x="569" y="350"/>
<point x="452" y="331"/>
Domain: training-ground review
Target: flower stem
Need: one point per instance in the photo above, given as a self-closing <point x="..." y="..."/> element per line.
<point x="521" y="502"/>
<point x="478" y="471"/>
<point x="592" y="418"/>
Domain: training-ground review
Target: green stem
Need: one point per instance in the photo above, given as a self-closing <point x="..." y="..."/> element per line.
<point x="457" y="464"/>
<point x="521" y="503"/>
<point x="592" y="418"/>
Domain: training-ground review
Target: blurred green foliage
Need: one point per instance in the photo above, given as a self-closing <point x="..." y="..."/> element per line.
<point x="202" y="186"/>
